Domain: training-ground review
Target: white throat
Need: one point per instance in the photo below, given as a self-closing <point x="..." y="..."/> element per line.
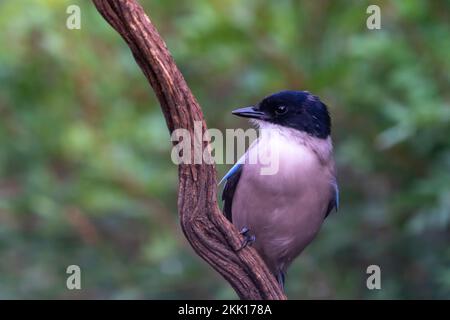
<point x="275" y="134"/>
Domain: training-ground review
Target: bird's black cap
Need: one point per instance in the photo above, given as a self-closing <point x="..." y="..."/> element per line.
<point x="299" y="110"/>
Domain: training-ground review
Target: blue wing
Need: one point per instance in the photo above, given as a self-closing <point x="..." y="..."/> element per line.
<point x="334" y="202"/>
<point x="336" y="196"/>
<point x="237" y="166"/>
<point x="232" y="180"/>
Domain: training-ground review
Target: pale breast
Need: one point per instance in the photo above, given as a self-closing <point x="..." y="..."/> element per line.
<point x="290" y="163"/>
<point x="285" y="209"/>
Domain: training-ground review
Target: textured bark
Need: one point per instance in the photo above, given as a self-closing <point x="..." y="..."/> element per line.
<point x="211" y="235"/>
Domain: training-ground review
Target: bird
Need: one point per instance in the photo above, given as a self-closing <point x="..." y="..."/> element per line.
<point x="279" y="214"/>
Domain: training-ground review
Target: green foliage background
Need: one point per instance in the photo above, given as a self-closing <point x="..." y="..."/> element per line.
<point x="85" y="170"/>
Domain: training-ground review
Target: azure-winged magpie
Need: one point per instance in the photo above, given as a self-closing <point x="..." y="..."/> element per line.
<point x="284" y="211"/>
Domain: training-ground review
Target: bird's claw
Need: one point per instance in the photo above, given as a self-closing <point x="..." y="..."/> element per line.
<point x="244" y="231"/>
<point x="248" y="238"/>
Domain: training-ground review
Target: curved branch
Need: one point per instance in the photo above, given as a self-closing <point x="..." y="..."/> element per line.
<point x="211" y="235"/>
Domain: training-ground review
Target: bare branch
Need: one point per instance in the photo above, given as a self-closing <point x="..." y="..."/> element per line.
<point x="211" y="235"/>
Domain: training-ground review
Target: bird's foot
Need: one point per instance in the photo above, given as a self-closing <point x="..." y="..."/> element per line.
<point x="248" y="238"/>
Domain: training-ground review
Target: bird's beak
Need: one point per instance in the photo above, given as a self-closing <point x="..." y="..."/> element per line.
<point x="250" y="112"/>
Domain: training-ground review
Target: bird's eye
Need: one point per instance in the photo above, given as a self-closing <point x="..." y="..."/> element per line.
<point x="280" y="110"/>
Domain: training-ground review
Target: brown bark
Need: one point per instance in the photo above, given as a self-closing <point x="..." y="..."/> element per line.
<point x="211" y="235"/>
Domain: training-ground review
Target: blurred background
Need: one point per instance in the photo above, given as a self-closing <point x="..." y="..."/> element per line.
<point x="85" y="170"/>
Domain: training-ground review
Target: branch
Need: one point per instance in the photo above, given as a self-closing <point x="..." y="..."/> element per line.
<point x="211" y="235"/>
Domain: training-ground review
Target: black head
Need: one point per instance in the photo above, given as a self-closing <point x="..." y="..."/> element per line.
<point x="294" y="109"/>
